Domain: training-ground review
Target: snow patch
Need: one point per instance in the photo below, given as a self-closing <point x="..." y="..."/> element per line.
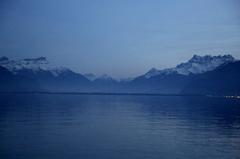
<point x="34" y="64"/>
<point x="196" y="65"/>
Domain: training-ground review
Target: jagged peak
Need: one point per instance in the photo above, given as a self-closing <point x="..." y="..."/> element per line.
<point x="34" y="64"/>
<point x="152" y="72"/>
<point x="36" y="59"/>
<point x="198" y="58"/>
<point x="153" y="69"/>
<point x="197" y="64"/>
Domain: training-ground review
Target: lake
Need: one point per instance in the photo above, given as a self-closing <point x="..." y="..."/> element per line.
<point x="58" y="126"/>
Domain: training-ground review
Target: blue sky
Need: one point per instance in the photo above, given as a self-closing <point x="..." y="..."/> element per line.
<point x="122" y="38"/>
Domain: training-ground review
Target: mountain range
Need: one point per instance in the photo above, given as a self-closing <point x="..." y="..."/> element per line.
<point x="205" y="75"/>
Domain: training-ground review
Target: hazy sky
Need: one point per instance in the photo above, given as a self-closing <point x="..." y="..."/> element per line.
<point x="119" y="37"/>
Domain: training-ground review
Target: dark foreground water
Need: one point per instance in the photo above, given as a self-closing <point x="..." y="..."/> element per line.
<point x="118" y="127"/>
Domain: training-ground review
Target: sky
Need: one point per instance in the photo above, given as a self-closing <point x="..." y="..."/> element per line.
<point x="122" y="38"/>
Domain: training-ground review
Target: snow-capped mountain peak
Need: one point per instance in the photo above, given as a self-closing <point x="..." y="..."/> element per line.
<point x="200" y="64"/>
<point x="152" y="72"/>
<point x="34" y="64"/>
<point x="39" y="60"/>
<point x="196" y="65"/>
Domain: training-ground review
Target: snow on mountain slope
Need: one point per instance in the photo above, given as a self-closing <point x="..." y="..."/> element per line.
<point x="196" y="65"/>
<point x="93" y="77"/>
<point x="105" y="77"/>
<point x="154" y="72"/>
<point x="34" y="64"/>
<point x="90" y="76"/>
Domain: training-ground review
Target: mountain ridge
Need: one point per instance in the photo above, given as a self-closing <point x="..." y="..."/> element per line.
<point x="176" y="80"/>
<point x="197" y="64"/>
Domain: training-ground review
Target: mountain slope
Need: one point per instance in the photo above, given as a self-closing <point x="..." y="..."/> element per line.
<point x="196" y="65"/>
<point x="173" y="80"/>
<point x="34" y="64"/>
<point x="90" y="76"/>
<point x="199" y="75"/>
<point x="225" y="80"/>
<point x="15" y="83"/>
<point x="163" y="83"/>
<point x="49" y="77"/>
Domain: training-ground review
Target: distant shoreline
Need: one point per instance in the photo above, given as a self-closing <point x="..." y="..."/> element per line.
<point x="104" y="93"/>
<point x="126" y="94"/>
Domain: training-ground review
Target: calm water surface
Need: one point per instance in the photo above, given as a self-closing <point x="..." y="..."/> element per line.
<point x="118" y="127"/>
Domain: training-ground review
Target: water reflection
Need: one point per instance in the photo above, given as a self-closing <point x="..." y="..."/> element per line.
<point x="94" y="126"/>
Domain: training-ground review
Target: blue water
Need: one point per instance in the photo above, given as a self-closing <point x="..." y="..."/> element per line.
<point x="118" y="127"/>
